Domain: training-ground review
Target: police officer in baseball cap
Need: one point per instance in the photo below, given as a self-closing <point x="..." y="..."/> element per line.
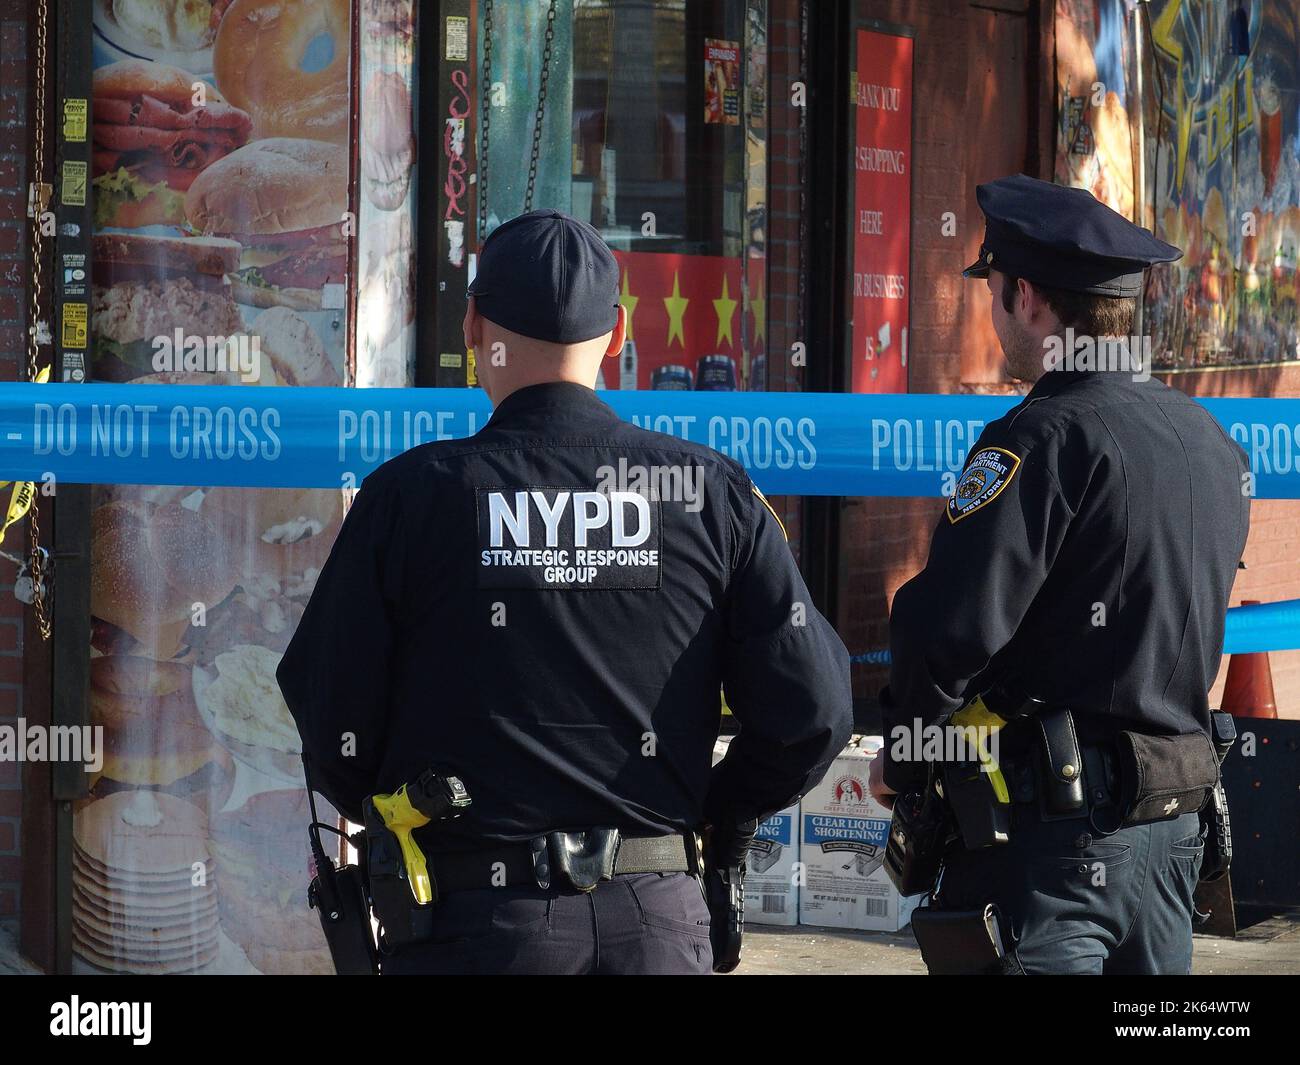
<point x="1077" y="582"/>
<point x="550" y="610"/>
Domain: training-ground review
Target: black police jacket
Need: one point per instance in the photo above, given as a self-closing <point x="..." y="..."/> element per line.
<point x="505" y="608"/>
<point x="1086" y="558"/>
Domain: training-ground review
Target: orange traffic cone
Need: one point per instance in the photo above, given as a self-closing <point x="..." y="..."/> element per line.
<point x="1248" y="691"/>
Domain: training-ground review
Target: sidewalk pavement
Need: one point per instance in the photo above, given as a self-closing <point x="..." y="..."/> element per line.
<point x="1271" y="946"/>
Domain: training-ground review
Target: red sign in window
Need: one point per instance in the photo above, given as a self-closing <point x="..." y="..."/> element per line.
<point x="882" y="212"/>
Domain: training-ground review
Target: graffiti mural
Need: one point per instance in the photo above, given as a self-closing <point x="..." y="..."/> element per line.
<point x="1221" y="113"/>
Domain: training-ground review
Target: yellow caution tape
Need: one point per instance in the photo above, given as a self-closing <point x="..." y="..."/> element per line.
<point x="20" y="501"/>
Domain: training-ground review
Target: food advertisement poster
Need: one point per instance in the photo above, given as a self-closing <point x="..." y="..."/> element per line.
<point x="223" y="241"/>
<point x="881" y="221"/>
<point x="1220" y="113"/>
<point x="722" y="82"/>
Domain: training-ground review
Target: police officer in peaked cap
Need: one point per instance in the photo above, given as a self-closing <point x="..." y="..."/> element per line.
<point x="1078" y="580"/>
<point x="506" y="609"/>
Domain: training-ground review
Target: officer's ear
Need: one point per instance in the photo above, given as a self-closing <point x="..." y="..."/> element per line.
<point x="619" y="335"/>
<point x="1033" y="301"/>
<point x="472" y="326"/>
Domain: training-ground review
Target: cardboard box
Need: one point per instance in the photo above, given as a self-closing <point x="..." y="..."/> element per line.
<point x="771" y="890"/>
<point x="843" y="836"/>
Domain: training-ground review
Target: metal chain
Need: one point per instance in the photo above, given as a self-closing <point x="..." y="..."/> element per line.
<point x="39" y="202"/>
<point x="541" y="106"/>
<point x="485" y="121"/>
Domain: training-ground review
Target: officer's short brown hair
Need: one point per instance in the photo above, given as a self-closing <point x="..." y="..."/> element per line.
<point x="1089" y="314"/>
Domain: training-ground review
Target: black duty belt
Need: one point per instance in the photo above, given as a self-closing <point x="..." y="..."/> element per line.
<point x="581" y="859"/>
<point x="1027" y="780"/>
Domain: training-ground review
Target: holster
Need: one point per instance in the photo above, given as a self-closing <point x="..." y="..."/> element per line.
<point x="1216" y="829"/>
<point x="919" y="832"/>
<point x="725" y="864"/>
<point x="724" y="894"/>
<point x="403" y="921"/>
<point x="339" y="896"/>
<point x="582" y="859"/>
<point x="982" y="819"/>
<point x="963" y="942"/>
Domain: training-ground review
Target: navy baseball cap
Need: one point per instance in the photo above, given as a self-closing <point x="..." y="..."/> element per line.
<point x="1062" y="237"/>
<point x="548" y="276"/>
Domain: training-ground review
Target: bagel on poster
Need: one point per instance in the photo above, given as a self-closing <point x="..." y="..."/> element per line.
<point x="286" y="198"/>
<point x="287" y="63"/>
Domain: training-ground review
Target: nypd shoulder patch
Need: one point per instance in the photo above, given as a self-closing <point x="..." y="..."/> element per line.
<point x="987" y="472"/>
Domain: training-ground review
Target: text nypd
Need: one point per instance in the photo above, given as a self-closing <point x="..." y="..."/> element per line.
<point x="567" y="538"/>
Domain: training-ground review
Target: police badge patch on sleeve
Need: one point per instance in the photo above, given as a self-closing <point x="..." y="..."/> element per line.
<point x="987" y="472"/>
<point x="567" y="538"/>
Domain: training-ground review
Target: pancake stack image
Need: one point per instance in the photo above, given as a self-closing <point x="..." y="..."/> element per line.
<point x="144" y="897"/>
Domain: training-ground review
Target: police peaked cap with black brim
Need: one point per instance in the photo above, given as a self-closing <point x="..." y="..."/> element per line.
<point x="1063" y="238"/>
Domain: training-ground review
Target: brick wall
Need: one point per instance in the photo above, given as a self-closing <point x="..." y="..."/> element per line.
<point x="786" y="219"/>
<point x="13" y="242"/>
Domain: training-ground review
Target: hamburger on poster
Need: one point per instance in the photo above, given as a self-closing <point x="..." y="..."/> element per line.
<point x="284" y="201"/>
<point x="156" y="127"/>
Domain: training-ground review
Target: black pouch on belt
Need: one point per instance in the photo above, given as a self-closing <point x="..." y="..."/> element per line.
<point x="1165" y="776"/>
<point x="963" y="942"/>
<point x="1060" y="766"/>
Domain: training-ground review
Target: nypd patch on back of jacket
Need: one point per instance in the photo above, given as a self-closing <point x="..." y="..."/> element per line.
<point x="568" y="539"/>
<point x="1085" y="557"/>
<point x="552" y="609"/>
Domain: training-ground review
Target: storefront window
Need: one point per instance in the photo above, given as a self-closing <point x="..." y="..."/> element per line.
<point x="654" y="130"/>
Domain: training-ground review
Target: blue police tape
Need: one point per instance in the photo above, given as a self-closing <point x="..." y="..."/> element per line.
<point x="1260" y="627"/>
<point x="1263" y="627"/>
<point x="791" y="443"/>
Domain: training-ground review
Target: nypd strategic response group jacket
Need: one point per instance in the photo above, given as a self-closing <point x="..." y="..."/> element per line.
<point x="1086" y="558"/>
<point x="499" y="607"/>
